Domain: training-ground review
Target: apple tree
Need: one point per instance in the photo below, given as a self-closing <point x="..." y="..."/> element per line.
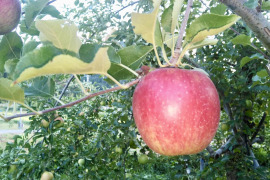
<point x="145" y="89"/>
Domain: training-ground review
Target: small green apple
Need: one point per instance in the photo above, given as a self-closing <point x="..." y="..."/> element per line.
<point x="249" y="103"/>
<point x="59" y="124"/>
<point x="46" y="176"/>
<point x="118" y="150"/>
<point x="128" y="175"/>
<point x="80" y="137"/>
<point x="143" y="159"/>
<point x="81" y="162"/>
<point x="12" y="168"/>
<point x="45" y="123"/>
<point x="224" y="127"/>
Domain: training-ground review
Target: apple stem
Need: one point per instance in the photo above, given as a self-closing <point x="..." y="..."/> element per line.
<point x="178" y="47"/>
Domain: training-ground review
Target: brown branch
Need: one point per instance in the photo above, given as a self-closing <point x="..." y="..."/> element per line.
<point x="181" y="33"/>
<point x="74" y="102"/>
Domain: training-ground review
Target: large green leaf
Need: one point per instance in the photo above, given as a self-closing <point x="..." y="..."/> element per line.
<point x="61" y="33"/>
<point x="10" y="48"/>
<point x="11" y="93"/>
<point x="41" y="86"/>
<point x="208" y="25"/>
<point x="51" y="10"/>
<point x="131" y="57"/>
<point x="48" y="60"/>
<point x="32" y="10"/>
<point x="145" y="24"/>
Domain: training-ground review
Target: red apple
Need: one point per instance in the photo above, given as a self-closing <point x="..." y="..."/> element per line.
<point x="10" y="13"/>
<point x="176" y="111"/>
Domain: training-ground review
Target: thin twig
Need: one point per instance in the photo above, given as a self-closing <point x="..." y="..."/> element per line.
<point x="74" y="102"/>
<point x="64" y="90"/>
<point x="178" y="47"/>
<point x="131" y="4"/>
<point x="258" y="127"/>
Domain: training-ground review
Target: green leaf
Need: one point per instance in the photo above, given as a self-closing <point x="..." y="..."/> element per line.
<point x="32" y="10"/>
<point x="251" y="4"/>
<point x="11" y="93"/>
<point x="166" y="19"/>
<point x="169" y="18"/>
<point x="51" y="10"/>
<point x="247" y="59"/>
<point x="208" y="25"/>
<point x="48" y="61"/>
<point x="10" y="48"/>
<point x="266" y="5"/>
<point x="263" y="73"/>
<point x="41" y="86"/>
<point x="131" y="57"/>
<point x="219" y="9"/>
<point x="242" y="40"/>
<point x="32" y="30"/>
<point x="61" y="33"/>
<point x="145" y="24"/>
<point x="10" y="67"/>
<point x="30" y="46"/>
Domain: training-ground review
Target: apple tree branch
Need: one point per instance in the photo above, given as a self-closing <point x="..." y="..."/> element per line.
<point x="254" y="19"/>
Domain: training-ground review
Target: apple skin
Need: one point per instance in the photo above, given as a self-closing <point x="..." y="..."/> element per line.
<point x="176" y="111"/>
<point x="46" y="176"/>
<point x="10" y="13"/>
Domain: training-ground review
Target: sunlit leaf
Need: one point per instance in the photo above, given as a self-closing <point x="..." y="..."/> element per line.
<point x="208" y="25"/>
<point x="61" y="33"/>
<point x="48" y="61"/>
<point x="145" y="24"/>
<point x="11" y="93"/>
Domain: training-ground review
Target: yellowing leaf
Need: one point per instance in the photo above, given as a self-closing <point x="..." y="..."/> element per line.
<point x="11" y="93"/>
<point x="208" y="25"/>
<point x="61" y="33"/>
<point x="145" y="24"/>
<point x="65" y="64"/>
<point x="202" y="43"/>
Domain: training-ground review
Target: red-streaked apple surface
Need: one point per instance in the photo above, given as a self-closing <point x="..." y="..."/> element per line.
<point x="10" y="13"/>
<point x="176" y="111"/>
